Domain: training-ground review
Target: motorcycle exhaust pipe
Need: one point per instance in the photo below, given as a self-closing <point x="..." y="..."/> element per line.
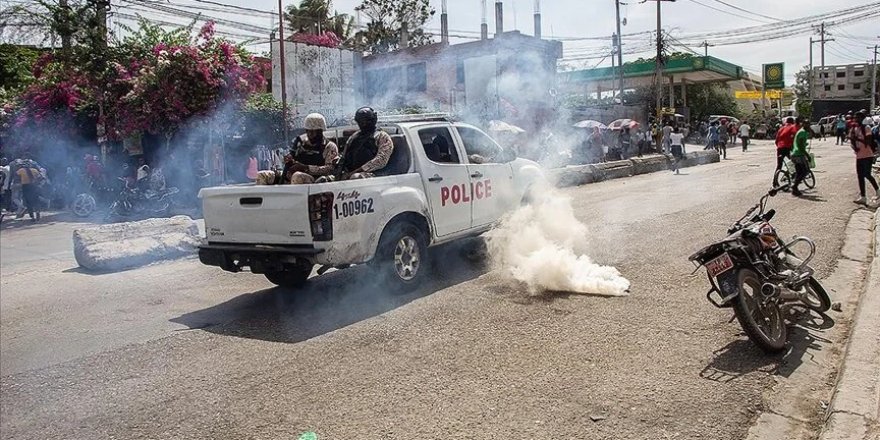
<point x="769" y="290"/>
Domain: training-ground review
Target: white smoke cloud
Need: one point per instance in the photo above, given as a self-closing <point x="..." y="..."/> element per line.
<point x="542" y="245"/>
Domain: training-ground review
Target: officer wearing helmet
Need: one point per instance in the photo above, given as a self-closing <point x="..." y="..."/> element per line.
<point x="312" y="154"/>
<point x="367" y="150"/>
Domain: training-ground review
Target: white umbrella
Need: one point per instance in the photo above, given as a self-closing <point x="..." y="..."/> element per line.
<point x="501" y="126"/>
<point x="620" y="123"/>
<point x="589" y="123"/>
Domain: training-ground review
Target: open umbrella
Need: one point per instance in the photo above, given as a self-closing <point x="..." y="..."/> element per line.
<point x="501" y="127"/>
<point x="621" y="123"/>
<point x="589" y="123"/>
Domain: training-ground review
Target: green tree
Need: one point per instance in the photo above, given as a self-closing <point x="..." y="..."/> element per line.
<point x="802" y="92"/>
<point x="389" y="20"/>
<point x="314" y="17"/>
<point x="43" y="21"/>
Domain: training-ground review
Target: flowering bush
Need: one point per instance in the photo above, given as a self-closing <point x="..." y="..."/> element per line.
<point x="327" y="39"/>
<point x="153" y="82"/>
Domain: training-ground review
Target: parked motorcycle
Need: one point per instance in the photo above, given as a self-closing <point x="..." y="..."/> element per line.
<point x="755" y="272"/>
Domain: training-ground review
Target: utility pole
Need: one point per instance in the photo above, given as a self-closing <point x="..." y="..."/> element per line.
<point x="810" y="77"/>
<point x="874" y="80"/>
<point x="100" y="49"/>
<point x="619" y="51"/>
<point x="822" y="36"/>
<point x="283" y="72"/>
<point x="706" y="46"/>
<point x="658" y="74"/>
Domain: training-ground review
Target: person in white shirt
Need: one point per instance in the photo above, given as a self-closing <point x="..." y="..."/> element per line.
<point x="676" y="146"/>
<point x="744" y="131"/>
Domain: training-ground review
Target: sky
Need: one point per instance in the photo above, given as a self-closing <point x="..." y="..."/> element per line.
<point x="596" y="18"/>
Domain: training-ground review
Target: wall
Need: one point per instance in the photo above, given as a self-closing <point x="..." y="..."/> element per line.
<point x="319" y="79"/>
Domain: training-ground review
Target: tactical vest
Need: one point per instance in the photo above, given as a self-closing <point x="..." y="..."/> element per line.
<point x="307" y="156"/>
<point x="362" y="149"/>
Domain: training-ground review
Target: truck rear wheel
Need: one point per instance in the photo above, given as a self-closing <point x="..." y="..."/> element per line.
<point x="402" y="257"/>
<point x="291" y="277"/>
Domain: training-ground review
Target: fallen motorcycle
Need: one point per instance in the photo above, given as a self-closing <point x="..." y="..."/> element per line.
<point x="755" y="272"/>
<point x="134" y="202"/>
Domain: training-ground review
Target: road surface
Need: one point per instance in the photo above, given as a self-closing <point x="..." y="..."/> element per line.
<point x="179" y="350"/>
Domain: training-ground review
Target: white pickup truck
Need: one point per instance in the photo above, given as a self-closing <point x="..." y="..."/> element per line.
<point x="430" y="193"/>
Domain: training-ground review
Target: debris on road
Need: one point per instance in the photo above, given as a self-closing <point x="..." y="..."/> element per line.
<point x="836" y="306"/>
<point x="126" y="245"/>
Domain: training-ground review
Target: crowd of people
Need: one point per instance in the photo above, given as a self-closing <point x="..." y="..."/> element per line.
<point x="21" y="184"/>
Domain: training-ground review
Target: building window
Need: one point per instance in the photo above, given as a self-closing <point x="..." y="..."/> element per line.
<point x="841" y="74"/>
<point x="824" y="74"/>
<point x="859" y="73"/>
<point x="827" y="88"/>
<point x="416" y="77"/>
<point x="459" y="72"/>
<point x="381" y="83"/>
<point x="841" y="87"/>
<point x="857" y="86"/>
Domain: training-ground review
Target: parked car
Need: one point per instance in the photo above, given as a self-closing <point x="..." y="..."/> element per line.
<point x="823" y="125"/>
<point x="433" y="191"/>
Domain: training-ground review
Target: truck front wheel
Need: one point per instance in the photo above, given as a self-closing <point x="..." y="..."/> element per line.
<point x="291" y="277"/>
<point x="401" y="257"/>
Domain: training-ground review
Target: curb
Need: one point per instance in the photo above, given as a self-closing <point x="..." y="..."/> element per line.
<point x="575" y="175"/>
<point x="853" y="412"/>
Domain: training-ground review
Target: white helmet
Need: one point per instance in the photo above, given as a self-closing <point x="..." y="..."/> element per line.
<point x="315" y="121"/>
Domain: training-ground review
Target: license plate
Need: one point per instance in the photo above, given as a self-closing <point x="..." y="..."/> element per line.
<point x="719" y="265"/>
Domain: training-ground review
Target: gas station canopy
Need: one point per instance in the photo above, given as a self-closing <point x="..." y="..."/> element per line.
<point x="692" y="70"/>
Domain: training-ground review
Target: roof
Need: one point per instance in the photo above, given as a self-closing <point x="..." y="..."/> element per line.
<point x="692" y="70"/>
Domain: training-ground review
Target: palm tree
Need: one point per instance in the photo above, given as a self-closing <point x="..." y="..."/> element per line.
<point x="311" y="16"/>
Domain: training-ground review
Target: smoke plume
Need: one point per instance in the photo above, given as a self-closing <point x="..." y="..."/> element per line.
<point x="542" y="245"/>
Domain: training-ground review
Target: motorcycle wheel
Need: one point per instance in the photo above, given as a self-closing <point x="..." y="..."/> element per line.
<point x="810" y="180"/>
<point x="84" y="205"/>
<point x="763" y="324"/>
<point x="816" y="297"/>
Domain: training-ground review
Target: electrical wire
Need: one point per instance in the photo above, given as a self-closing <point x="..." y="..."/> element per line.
<point x="746" y="10"/>
<point x="729" y="12"/>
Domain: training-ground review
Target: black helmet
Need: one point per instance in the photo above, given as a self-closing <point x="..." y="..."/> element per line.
<point x="366" y="116"/>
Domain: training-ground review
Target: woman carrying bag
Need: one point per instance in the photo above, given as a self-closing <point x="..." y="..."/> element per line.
<point x="863" y="146"/>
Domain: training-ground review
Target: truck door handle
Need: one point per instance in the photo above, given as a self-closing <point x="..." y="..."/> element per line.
<point x="477" y="175"/>
<point x="435" y="178"/>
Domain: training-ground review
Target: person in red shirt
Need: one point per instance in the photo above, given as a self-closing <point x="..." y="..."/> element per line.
<point x="784" y="142"/>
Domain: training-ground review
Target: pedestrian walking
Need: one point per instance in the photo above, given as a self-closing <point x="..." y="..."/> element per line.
<point x="784" y="143"/>
<point x="744" y="133"/>
<point x="667" y="130"/>
<point x="862" y="144"/>
<point x="676" y="140"/>
<point x="712" y="137"/>
<point x="799" y="155"/>
<point x="29" y="176"/>
<point x="723" y="139"/>
<point x="840" y="130"/>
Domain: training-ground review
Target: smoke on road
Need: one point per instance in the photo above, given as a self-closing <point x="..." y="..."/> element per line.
<point x="543" y="245"/>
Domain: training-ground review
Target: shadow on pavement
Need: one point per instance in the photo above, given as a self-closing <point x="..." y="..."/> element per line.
<point x="741" y="356"/>
<point x="327" y="303"/>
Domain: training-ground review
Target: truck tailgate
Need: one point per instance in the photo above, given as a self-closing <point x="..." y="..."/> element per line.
<point x="265" y="214"/>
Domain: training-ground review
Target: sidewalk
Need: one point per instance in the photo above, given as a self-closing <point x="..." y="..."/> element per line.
<point x="854" y="413"/>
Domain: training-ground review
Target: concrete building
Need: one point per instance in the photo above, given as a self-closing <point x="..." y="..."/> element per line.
<point x="846" y="82"/>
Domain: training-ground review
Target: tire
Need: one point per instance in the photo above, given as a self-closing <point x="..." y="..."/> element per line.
<point x="84" y="205"/>
<point x="767" y="330"/>
<point x="810" y="180"/>
<point x="782" y="177"/>
<point x="292" y="277"/>
<point x="402" y="257"/>
<point x="819" y="300"/>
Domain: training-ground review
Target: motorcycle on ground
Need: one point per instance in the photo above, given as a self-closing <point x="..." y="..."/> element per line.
<point x="143" y="200"/>
<point x="755" y="272"/>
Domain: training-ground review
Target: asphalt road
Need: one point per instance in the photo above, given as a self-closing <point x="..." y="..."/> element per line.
<point x="178" y="350"/>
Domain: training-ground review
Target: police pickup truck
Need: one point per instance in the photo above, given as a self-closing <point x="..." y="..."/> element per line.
<point x="431" y="192"/>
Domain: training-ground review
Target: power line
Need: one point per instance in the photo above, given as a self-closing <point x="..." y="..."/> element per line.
<point x="746" y="10"/>
<point x="728" y="12"/>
